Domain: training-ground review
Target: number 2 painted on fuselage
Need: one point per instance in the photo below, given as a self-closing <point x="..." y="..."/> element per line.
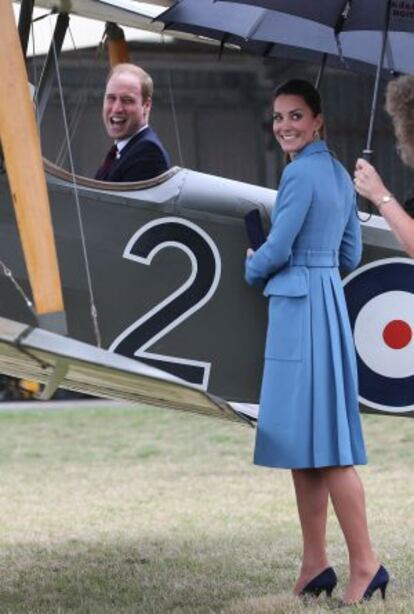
<point x="172" y="232"/>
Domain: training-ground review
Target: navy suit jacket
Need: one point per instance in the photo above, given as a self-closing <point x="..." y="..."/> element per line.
<point x="143" y="157"/>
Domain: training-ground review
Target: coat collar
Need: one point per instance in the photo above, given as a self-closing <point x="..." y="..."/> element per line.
<point x="312" y="148"/>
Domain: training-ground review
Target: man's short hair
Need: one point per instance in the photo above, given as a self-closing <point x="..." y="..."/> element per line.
<point x="147" y="84"/>
<point x="399" y="103"/>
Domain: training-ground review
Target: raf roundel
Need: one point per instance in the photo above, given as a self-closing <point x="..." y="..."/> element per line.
<point x="380" y="299"/>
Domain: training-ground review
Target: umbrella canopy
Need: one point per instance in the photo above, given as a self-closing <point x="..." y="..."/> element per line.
<point x="261" y="31"/>
<point x="322" y="11"/>
<point x="357" y="26"/>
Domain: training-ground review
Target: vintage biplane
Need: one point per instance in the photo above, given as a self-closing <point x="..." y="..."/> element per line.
<point x="136" y="290"/>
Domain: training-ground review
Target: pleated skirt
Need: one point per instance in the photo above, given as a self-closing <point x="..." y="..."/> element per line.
<point x="309" y="412"/>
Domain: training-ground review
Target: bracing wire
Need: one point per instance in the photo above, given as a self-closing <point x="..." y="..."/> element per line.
<point x="93" y="309"/>
<point x="34" y="63"/>
<point x="173" y="111"/>
<point x="175" y="121"/>
<point x="8" y="273"/>
<point x="79" y="108"/>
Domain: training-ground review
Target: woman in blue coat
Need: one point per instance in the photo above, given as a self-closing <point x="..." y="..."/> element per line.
<point x="309" y="417"/>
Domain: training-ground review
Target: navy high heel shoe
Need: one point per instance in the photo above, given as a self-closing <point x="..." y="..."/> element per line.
<point x="325" y="581"/>
<point x="379" y="581"/>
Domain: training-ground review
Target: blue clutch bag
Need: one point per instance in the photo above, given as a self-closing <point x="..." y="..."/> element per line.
<point x="254" y="228"/>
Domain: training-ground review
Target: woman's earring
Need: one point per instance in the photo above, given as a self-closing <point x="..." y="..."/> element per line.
<point x="316" y="135"/>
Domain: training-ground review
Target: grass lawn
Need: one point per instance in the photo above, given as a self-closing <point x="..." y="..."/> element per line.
<point x="133" y="509"/>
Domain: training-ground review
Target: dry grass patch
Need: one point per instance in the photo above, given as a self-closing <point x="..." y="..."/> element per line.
<point x="130" y="510"/>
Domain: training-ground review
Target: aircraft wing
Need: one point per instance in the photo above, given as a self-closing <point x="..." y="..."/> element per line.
<point x="35" y="354"/>
<point x="129" y="13"/>
<point x="124" y="12"/>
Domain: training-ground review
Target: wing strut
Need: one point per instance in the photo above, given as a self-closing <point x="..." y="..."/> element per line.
<point x="49" y="70"/>
<point x="23" y="160"/>
<point x="116" y="44"/>
<point x="25" y="22"/>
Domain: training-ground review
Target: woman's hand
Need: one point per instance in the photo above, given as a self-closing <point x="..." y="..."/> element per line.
<point x="368" y="183"/>
<point x="249" y="252"/>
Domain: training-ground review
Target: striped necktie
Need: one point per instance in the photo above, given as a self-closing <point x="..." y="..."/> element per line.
<point x="108" y="163"/>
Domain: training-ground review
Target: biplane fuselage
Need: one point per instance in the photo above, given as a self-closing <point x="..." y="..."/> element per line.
<point x="166" y="276"/>
<point x="167" y="262"/>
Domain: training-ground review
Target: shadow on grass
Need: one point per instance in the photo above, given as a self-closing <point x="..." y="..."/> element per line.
<point x="157" y="576"/>
<point x="152" y="576"/>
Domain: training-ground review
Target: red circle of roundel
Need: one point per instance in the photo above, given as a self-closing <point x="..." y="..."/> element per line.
<point x="397" y="334"/>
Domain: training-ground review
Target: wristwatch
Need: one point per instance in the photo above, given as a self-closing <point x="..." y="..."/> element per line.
<point x="384" y="200"/>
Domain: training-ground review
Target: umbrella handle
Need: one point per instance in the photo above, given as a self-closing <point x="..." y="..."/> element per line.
<point x="367" y="155"/>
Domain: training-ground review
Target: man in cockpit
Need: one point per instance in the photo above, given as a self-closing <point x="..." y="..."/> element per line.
<point x="137" y="153"/>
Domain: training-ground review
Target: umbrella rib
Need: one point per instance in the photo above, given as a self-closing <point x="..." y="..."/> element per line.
<point x="342" y="17"/>
<point x="339" y="26"/>
<point x="256" y="24"/>
<point x="222" y="45"/>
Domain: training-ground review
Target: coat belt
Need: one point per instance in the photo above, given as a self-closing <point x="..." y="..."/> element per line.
<point x="312" y="258"/>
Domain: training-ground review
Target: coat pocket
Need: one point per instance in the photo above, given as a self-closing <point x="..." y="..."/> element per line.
<point x="288" y="306"/>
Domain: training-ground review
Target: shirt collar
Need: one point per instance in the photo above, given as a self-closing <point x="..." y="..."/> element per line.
<point x="122" y="142"/>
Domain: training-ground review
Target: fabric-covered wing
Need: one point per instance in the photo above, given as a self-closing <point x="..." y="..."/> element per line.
<point x="123" y="12"/>
<point x="56" y="361"/>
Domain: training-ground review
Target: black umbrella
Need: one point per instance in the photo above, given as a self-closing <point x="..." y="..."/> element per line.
<point x="357" y="26"/>
<point x="261" y="31"/>
<point x="377" y="32"/>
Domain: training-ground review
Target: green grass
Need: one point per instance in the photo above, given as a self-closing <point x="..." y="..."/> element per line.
<point x="127" y="510"/>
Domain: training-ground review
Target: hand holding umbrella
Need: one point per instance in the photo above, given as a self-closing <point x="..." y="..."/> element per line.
<point x="369" y="184"/>
<point x="400" y="106"/>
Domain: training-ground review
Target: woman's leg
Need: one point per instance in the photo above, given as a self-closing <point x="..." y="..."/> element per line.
<point x="312" y="501"/>
<point x="348" y="498"/>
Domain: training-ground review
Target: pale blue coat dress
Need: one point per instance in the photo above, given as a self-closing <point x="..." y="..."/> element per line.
<point x="309" y="415"/>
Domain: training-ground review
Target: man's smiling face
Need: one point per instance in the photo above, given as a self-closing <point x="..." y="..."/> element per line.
<point x="124" y="112"/>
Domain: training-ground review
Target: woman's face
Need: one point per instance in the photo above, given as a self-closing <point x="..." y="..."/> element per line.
<point x="294" y="124"/>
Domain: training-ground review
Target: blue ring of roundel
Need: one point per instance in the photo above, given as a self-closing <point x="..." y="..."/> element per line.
<point x="386" y="277"/>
